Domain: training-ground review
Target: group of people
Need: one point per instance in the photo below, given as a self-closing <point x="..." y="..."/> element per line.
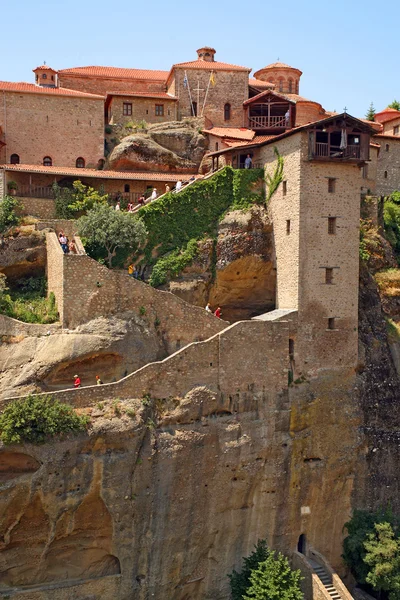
<point x="217" y="312"/>
<point x="154" y="194"/>
<point x="78" y="383"/>
<point x="66" y="245"/>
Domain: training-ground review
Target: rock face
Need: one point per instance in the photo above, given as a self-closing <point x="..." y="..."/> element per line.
<point x="176" y="146"/>
<point x="23" y="255"/>
<point x="238" y="273"/>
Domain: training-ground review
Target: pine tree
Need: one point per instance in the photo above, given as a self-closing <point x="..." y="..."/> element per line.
<point x="241" y="581"/>
<point x="371" y="112"/>
<point x="395" y="104"/>
<point x="383" y="558"/>
<point x="273" y="579"/>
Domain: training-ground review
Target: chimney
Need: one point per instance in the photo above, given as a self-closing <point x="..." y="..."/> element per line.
<point x="206" y="54"/>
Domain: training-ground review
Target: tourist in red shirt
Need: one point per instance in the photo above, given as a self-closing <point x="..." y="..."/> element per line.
<point x="218" y="312"/>
<point x="77" y="382"/>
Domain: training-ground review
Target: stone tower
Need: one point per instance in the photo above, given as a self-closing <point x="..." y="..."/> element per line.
<point x="45" y="76"/>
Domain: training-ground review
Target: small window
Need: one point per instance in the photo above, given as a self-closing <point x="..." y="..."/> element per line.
<point x="227" y="112"/>
<point x="36" y="77"/>
<point x="332" y="225"/>
<point x="52" y="77"/>
<point x="331" y="323"/>
<point x="331" y="185"/>
<point x="159" y="110"/>
<point x="194" y="109"/>
<point x="44" y="76"/>
<point x="47" y="161"/>
<point x="290" y="87"/>
<point x="385" y="174"/>
<point x="291" y="348"/>
<point x="14" y="159"/>
<point x="287" y="226"/>
<point x="127" y="188"/>
<point x="216" y="145"/>
<point x="387" y="147"/>
<point x="396" y="130"/>
<point x="284" y="188"/>
<point x="329" y="275"/>
<point x="281" y="85"/>
<point x="127" y="109"/>
<point x="80" y="163"/>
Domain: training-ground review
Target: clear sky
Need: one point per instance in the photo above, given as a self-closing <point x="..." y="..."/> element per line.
<point x="347" y="50"/>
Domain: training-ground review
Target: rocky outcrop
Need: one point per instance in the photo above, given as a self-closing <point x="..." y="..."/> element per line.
<point x="167" y="147"/>
<point x="23" y="254"/>
<point x="237" y="272"/>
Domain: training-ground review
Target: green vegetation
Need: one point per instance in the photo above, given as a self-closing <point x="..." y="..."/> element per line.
<point x="36" y="418"/>
<point x="370" y="112"/>
<point x="388" y="281"/>
<point x="391" y="219"/>
<point x="395" y="104"/>
<point x="76" y="201"/>
<point x="8" y="216"/>
<point x="176" y="222"/>
<point x="111" y="229"/>
<point x="265" y="575"/>
<point x="27" y="301"/>
<point x="274" y="180"/>
<point x="372" y="551"/>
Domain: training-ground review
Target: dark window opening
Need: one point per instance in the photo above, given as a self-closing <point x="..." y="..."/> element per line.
<point x="159" y="109"/>
<point x="127" y="109"/>
<point x="329" y="275"/>
<point x="80" y="162"/>
<point x="396" y="130"/>
<point x="331" y="185"/>
<point x="287" y="226"/>
<point x="281" y="85"/>
<point x="331" y="225"/>
<point x="290" y="86"/>
<point x="387" y="147"/>
<point x="127" y="188"/>
<point x="216" y="145"/>
<point x="227" y="112"/>
<point x="14" y="159"/>
<point x="47" y="161"/>
<point x="194" y="109"/>
<point x="291" y="349"/>
<point x="44" y="76"/>
<point x="385" y="174"/>
<point x="302" y="544"/>
<point x="331" y="323"/>
<point x="284" y="187"/>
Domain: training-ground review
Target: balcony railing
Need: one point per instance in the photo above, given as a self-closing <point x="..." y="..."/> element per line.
<point x="34" y="191"/>
<point x="324" y="150"/>
<point x="271" y="122"/>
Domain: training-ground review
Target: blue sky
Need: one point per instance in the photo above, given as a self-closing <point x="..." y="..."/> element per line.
<point x="348" y="51"/>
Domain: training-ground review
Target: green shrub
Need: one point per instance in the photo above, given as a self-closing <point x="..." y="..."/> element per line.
<point x="108" y="129"/>
<point x="241" y="581"/>
<point x="172" y="264"/>
<point x="273" y="579"/>
<point x="8" y="216"/>
<point x="27" y="301"/>
<point x="37" y="418"/>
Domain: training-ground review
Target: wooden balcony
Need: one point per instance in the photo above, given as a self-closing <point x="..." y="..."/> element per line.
<point x="325" y="150"/>
<point x="34" y="191"/>
<point x="271" y="122"/>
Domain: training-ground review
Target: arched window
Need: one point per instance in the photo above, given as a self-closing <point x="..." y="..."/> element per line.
<point x="216" y="146"/>
<point x="281" y="85"/>
<point x="100" y="163"/>
<point x="302" y="544"/>
<point x="227" y="112"/>
<point x="290" y="86"/>
<point x="80" y="163"/>
<point x="297" y="87"/>
<point x="14" y="159"/>
<point x="47" y="161"/>
<point x="385" y="174"/>
<point x="127" y="188"/>
<point x="44" y="76"/>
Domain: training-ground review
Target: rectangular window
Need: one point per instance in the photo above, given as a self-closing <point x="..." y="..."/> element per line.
<point x="127" y="109"/>
<point x="284" y="187"/>
<point x="396" y="130"/>
<point x="332" y="225"/>
<point x="329" y="275"/>
<point x="331" y="323"/>
<point x="331" y="185"/>
<point x="159" y="110"/>
<point x="288" y="227"/>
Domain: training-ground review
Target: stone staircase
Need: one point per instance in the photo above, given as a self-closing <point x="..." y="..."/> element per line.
<point x="326" y="579"/>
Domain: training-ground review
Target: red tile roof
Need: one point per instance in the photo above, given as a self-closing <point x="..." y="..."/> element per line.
<point x="259" y="139"/>
<point x="161" y="95"/>
<point x="287" y="96"/>
<point x="82" y="173"/>
<point x="117" y="72"/>
<point x="31" y="88"/>
<point x="231" y="132"/>
<point x="387" y="135"/>
<point x="260" y="84"/>
<point x="44" y="68"/>
<point x="210" y="66"/>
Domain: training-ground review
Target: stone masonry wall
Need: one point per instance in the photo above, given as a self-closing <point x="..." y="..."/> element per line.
<point x="61" y="127"/>
<point x="55" y="271"/>
<point x="43" y="208"/>
<point x="102" y="85"/>
<point x="306" y="112"/>
<point x="388" y="167"/>
<point x="142" y="109"/>
<point x="230" y="86"/>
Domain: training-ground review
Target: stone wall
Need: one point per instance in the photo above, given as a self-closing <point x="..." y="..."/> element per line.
<point x="55" y="271"/>
<point x="44" y="208"/>
<point x="307" y="112"/>
<point x="102" y="85"/>
<point x="142" y="109"/>
<point x="68" y="226"/>
<point x="62" y="127"/>
<point x="388" y="168"/>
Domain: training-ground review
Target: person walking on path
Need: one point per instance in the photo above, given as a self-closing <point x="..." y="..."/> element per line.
<point x="167" y="188"/>
<point x="77" y="382"/>
<point x="98" y="380"/>
<point x="131" y="270"/>
<point x="208" y="308"/>
<point x="153" y="194"/>
<point x="178" y="186"/>
<point x="218" y="312"/>
<point x="118" y="205"/>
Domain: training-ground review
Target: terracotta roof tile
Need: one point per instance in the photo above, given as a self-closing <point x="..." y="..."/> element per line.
<point x="82" y="173"/>
<point x="161" y="95"/>
<point x="31" y="88"/>
<point x="231" y="132"/>
<point x="44" y="68"/>
<point x="387" y="135"/>
<point x="210" y="66"/>
<point x="120" y="73"/>
<point x="259" y="139"/>
<point x="260" y="84"/>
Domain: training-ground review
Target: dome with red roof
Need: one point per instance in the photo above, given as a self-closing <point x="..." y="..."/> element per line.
<point x="285" y="78"/>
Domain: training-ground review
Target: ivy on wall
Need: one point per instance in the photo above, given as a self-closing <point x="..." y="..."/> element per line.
<point x="176" y="222"/>
<point x="274" y="180"/>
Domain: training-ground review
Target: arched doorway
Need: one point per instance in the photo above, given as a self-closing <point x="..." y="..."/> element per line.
<point x="302" y="544"/>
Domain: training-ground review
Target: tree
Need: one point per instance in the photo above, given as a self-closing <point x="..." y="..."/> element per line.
<point x="8" y="216"/>
<point x="69" y="202"/>
<point x="241" y="581"/>
<point x="273" y="579"/>
<point x="395" y="104"/>
<point x="111" y="229"/>
<point x="371" y="112"/>
<point x="383" y="559"/>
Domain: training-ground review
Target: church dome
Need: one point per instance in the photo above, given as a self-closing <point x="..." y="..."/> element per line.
<point x="285" y="77"/>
